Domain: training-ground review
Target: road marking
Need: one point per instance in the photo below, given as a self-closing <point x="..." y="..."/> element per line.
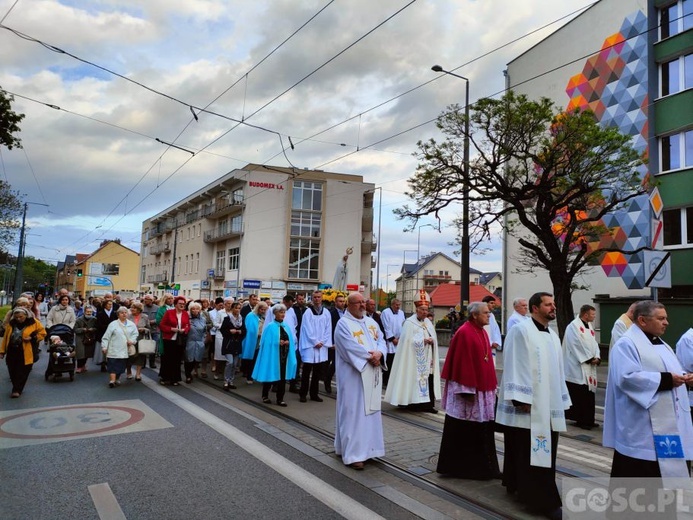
<point x="328" y="495"/>
<point x="106" y="503"/>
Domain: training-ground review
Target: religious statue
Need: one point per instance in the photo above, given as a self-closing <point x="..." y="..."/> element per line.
<point x="340" y="275"/>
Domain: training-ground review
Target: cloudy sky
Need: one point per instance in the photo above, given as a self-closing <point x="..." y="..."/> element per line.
<point x="368" y="97"/>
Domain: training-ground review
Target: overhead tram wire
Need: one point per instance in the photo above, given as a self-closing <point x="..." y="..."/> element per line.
<point x="9" y="11"/>
<point x="495" y="94"/>
<point x="409" y="91"/>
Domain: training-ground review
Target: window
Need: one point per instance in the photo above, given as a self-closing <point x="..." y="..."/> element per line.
<point x="221" y="262"/>
<point x="677" y="75"/>
<point x="197" y="263"/>
<point x="111" y="269"/>
<point x="187" y="264"/>
<point x="304" y="259"/>
<point x="676" y="18"/>
<point x="237" y="224"/>
<point x="307" y="195"/>
<point x="237" y="196"/>
<point x="143" y="275"/>
<point x="677" y="151"/>
<point x="199" y="229"/>
<point x="678" y="227"/>
<point x="305" y="224"/>
<point x="234" y="257"/>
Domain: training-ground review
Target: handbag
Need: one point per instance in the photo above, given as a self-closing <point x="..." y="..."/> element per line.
<point x="146" y="345"/>
<point x="132" y="351"/>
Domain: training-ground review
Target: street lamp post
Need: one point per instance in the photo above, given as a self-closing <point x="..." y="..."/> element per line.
<point x="387" y="277"/>
<point x="464" y="246"/>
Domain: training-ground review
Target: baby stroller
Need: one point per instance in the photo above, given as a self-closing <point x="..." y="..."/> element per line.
<point x="61" y="356"/>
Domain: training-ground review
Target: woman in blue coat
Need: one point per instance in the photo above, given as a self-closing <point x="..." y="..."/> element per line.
<point x="254" y="321"/>
<point x="276" y="360"/>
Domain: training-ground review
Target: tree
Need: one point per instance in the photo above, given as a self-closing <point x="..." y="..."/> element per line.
<point x="10" y="210"/>
<point x="547" y="177"/>
<point x="10" y="201"/>
<point x="9" y="122"/>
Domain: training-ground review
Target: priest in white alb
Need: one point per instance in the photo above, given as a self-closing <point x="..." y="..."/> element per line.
<point x="580" y="360"/>
<point x="647" y="418"/>
<point x="360" y="355"/>
<point x="621" y="325"/>
<point x="415" y="374"/>
<point x="392" y="319"/>
<point x="532" y="400"/>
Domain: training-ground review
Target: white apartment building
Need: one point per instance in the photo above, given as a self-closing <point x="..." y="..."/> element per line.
<point x="261" y="229"/>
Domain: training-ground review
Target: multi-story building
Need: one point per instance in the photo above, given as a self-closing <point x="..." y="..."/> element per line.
<point x="631" y="63"/>
<point x="428" y="273"/>
<point x="111" y="268"/>
<point x="262" y="229"/>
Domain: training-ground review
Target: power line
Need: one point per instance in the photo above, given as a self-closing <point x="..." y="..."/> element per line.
<point x="9" y="11"/>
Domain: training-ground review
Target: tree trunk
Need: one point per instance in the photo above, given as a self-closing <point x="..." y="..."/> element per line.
<point x="564" y="302"/>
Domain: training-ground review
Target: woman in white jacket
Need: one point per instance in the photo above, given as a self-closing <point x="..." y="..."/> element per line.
<point x="119" y="335"/>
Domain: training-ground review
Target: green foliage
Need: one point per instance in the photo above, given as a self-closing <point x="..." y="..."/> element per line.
<point x="10" y="211"/>
<point x="9" y="122"/>
<point x="443" y="323"/>
<point x="545" y="175"/>
<point x="36" y="273"/>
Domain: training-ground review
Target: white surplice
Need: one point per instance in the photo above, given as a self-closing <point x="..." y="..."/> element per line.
<point x="533" y="374"/>
<point x="392" y="323"/>
<point x="358" y="423"/>
<point x="579" y="346"/>
<point x="631" y="393"/>
<point x="621" y="325"/>
<point x="493" y="331"/>
<point x="315" y="329"/>
<point x="414" y="362"/>
<point x="684" y="351"/>
<point x="515" y="319"/>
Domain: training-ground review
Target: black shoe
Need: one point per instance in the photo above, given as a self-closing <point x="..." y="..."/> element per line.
<point x="233" y="387"/>
<point x="316" y="399"/>
<point x="432" y="410"/>
<point x="303" y="399"/>
<point x="226" y="387"/>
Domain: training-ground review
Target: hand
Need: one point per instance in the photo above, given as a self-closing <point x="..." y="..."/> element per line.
<point x="375" y="357"/>
<point x="318" y="345"/>
<point x="395" y="341"/>
<point x="525" y="408"/>
<point x="494" y="346"/>
<point x="469" y="398"/>
<point x="678" y="380"/>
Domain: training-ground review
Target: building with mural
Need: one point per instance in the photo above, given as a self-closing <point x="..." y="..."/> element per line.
<point x="631" y="63"/>
<point x="264" y="230"/>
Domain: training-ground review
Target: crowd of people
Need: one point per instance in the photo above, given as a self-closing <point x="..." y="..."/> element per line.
<point x="545" y="382"/>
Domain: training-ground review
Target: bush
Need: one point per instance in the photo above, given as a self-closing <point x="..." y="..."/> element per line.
<point x="443" y="324"/>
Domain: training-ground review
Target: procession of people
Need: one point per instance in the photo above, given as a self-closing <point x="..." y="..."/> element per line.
<point x="386" y="356"/>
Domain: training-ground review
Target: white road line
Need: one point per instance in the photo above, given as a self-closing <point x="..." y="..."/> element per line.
<point x="328" y="495"/>
<point x="105" y="501"/>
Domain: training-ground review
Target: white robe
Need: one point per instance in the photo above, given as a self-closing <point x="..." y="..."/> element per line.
<point x="493" y="331"/>
<point x="392" y="323"/>
<point x="515" y="319"/>
<point x="414" y="362"/>
<point x="579" y="346"/>
<point x="358" y="435"/>
<point x="684" y="352"/>
<point x="315" y="329"/>
<point x="518" y="381"/>
<point x="630" y="394"/>
<point x="620" y="327"/>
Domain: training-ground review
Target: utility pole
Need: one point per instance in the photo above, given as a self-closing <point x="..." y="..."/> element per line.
<point x="19" y="274"/>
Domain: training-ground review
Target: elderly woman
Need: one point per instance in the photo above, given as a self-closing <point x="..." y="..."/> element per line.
<point x="254" y="321"/>
<point x="85" y="338"/>
<point x="20" y="345"/>
<point x="141" y="321"/>
<point x="276" y="359"/>
<point x="165" y="304"/>
<point x="174" y="326"/>
<point x="119" y="335"/>
<point x="195" y="346"/>
<point x="62" y="313"/>
<point x="232" y="331"/>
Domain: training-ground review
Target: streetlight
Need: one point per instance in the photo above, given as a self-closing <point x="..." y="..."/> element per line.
<point x="387" y="278"/>
<point x="464" y="246"/>
<point x="418" y="242"/>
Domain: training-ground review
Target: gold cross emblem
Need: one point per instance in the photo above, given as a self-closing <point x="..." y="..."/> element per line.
<point x="357" y="334"/>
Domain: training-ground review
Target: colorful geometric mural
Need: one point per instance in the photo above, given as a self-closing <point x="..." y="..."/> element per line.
<point x="613" y="84"/>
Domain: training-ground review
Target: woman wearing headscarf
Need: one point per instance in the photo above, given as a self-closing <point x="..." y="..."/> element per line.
<point x="104" y="317"/>
<point x="254" y="321"/>
<point x="62" y="313"/>
<point x="119" y="335"/>
<point x="276" y="360"/>
<point x="174" y="326"/>
<point x="195" y="349"/>
<point x="141" y="321"/>
<point x="232" y="331"/>
<point x="85" y="338"/>
<point x="20" y="347"/>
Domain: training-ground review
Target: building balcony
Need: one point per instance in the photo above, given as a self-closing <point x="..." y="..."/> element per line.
<point x="157" y="278"/>
<point x="222" y="208"/>
<point x="219" y="274"/>
<point x="436" y="277"/>
<point x="157" y="249"/>
<point x="368" y="244"/>
<point x="367" y="219"/>
<point x="216" y="235"/>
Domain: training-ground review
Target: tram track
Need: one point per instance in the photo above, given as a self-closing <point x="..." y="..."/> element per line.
<point x="447" y="493"/>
